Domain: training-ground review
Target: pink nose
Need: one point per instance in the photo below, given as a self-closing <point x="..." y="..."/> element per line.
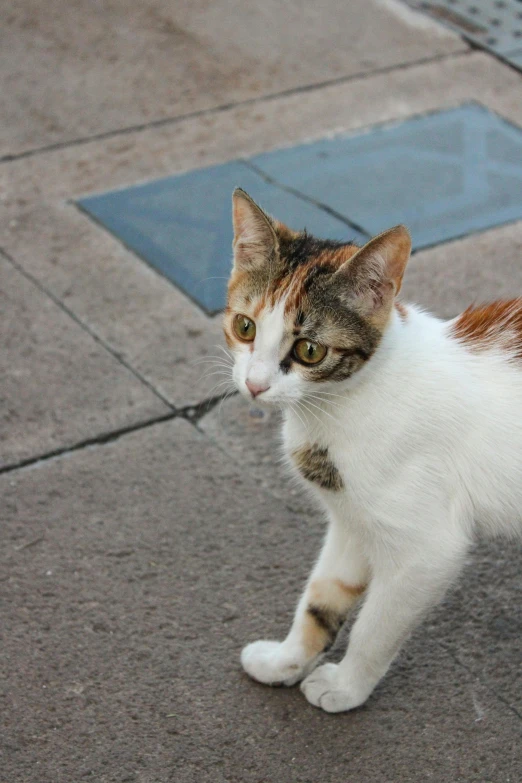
<point x="256" y="388"/>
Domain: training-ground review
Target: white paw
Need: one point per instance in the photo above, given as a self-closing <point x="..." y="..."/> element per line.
<point x="273" y="663"/>
<point x="326" y="688"/>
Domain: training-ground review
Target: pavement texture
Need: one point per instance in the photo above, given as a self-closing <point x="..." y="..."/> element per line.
<point x="147" y="535"/>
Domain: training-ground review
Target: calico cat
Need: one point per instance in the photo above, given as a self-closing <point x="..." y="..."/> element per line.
<point x="408" y="429"/>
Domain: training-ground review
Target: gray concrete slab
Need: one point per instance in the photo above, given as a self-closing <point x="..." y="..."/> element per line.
<point x="222" y="136"/>
<point x="451" y="191"/>
<point x="479" y="268"/>
<point x="481" y="621"/>
<point x="181" y="225"/>
<point x="145" y="319"/>
<point x="123" y="623"/>
<point x="140" y="315"/>
<point x="59" y="387"/>
<point x="251" y="436"/>
<point x="97" y="69"/>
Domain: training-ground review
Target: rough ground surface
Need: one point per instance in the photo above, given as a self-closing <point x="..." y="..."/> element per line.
<point x="145" y="540"/>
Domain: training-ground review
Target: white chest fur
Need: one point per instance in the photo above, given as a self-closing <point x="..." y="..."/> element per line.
<point x="428" y="441"/>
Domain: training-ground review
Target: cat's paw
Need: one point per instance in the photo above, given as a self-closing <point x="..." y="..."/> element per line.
<point x="273" y="663"/>
<point x="325" y="687"/>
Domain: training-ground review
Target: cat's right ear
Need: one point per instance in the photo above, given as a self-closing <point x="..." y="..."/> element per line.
<point x="255" y="239"/>
<point x="373" y="276"/>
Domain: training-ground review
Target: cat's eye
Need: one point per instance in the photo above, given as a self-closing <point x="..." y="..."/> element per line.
<point x="308" y="352"/>
<point x="244" y="328"/>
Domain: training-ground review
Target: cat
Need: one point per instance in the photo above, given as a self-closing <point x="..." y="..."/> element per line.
<point x="407" y="428"/>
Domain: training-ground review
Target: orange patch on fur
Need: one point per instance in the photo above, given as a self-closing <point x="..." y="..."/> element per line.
<point x="402" y="310"/>
<point x="293" y="285"/>
<point x="329" y="601"/>
<point x="315" y="637"/>
<point x="351" y="590"/>
<point x="333" y="593"/>
<point x="227" y="331"/>
<point x="496" y="324"/>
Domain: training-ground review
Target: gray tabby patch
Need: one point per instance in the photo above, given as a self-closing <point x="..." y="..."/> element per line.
<point x="315" y="465"/>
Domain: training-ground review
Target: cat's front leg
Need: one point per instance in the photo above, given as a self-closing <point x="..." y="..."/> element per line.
<point x="337" y="581"/>
<point x="396" y="600"/>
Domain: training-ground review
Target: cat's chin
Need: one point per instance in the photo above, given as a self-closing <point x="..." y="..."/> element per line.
<point x="261" y="401"/>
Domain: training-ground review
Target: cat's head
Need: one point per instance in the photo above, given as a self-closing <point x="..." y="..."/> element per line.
<point x="303" y="311"/>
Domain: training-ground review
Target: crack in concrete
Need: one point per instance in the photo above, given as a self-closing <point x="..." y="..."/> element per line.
<point x="97" y="440"/>
<point x="141" y="127"/>
<point x="191" y="413"/>
<point x="194" y="413"/>
<point x="488" y="688"/>
<point x="319" y="204"/>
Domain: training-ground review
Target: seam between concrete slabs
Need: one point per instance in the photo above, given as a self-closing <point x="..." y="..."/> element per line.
<point x="188" y="415"/>
<point x="85" y="328"/>
<point x="139" y="127"/>
<point x="289" y="189"/>
<point x="192" y="414"/>
<point x="250" y="164"/>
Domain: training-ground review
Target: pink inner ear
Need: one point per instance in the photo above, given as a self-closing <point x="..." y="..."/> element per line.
<point x="376" y="270"/>
<point x="251" y="225"/>
<point x="377" y="292"/>
<point x="240" y="218"/>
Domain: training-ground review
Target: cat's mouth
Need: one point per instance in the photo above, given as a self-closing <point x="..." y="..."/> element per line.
<point x="263" y="398"/>
<point x="259" y="398"/>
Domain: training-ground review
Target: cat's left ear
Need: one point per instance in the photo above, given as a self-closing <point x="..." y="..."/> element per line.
<point x="255" y="239"/>
<point x="373" y="276"/>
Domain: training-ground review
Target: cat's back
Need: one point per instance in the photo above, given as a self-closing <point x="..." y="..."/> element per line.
<point x="496" y="326"/>
<point x="485" y="343"/>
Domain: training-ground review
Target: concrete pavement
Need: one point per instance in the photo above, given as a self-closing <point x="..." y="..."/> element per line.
<point x="133" y="585"/>
<point x="145" y="540"/>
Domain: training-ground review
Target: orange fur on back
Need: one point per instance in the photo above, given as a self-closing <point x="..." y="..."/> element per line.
<point x="496" y="324"/>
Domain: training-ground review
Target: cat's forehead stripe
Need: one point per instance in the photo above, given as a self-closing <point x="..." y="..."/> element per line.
<point x="303" y="262"/>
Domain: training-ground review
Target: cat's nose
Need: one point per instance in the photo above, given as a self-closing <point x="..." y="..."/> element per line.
<point x="256" y="388"/>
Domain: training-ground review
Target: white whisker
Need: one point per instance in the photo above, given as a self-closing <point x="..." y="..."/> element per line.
<point x="215" y="372"/>
<point x="211" y="359"/>
<point x="331" y="394"/>
<point x="227" y="353"/>
<point x="226" y="396"/>
<point x="218" y="368"/>
<point x="320" y="409"/>
<point x="293" y="407"/>
<point x="324" y="400"/>
<point x="226" y="371"/>
<point x="221" y="383"/>
<point x="310" y="412"/>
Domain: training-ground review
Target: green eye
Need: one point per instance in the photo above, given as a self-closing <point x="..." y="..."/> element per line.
<point x="308" y="352"/>
<point x="244" y="328"/>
